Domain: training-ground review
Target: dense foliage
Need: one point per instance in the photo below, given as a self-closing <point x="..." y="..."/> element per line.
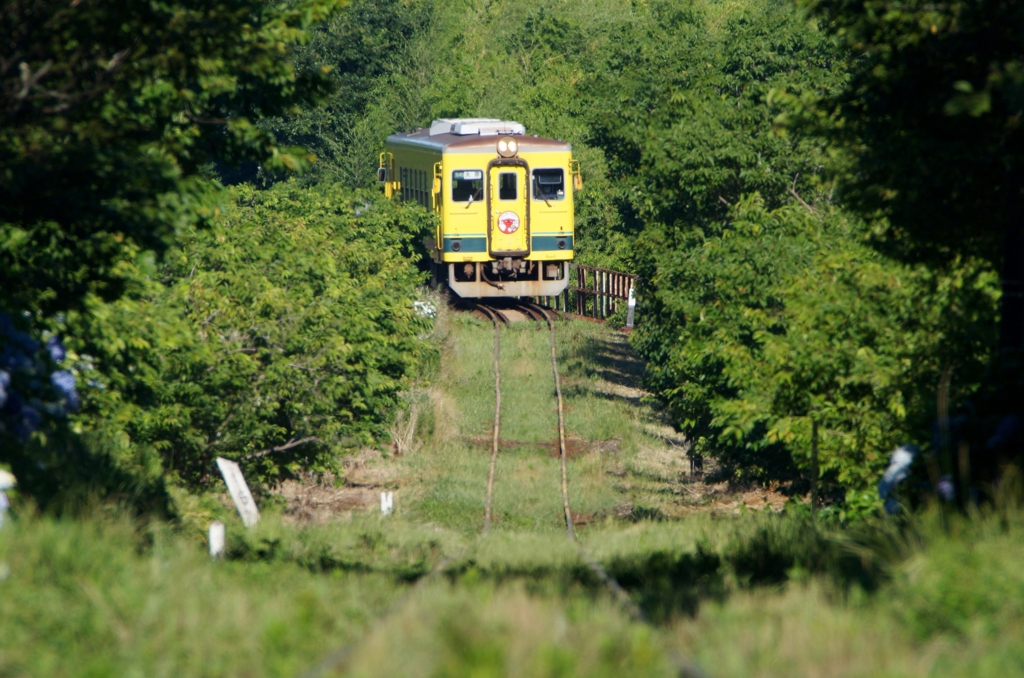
<point x="930" y="124"/>
<point x="108" y="113"/>
<point x="766" y="316"/>
<point x="300" y="302"/>
<point x="149" y="321"/>
<point x="932" y="114"/>
<point x="801" y="192"/>
<point x="281" y="334"/>
<point x="787" y="318"/>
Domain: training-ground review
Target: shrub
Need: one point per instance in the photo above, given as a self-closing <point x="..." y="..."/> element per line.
<point x="284" y="334"/>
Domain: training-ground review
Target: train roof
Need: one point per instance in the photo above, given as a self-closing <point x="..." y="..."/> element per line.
<point x="474" y="135"/>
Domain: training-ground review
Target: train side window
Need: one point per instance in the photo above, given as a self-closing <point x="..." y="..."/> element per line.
<point x="507" y="186"/>
<point x="467" y="186"/>
<point x="405" y="188"/>
<point x="548" y="184"/>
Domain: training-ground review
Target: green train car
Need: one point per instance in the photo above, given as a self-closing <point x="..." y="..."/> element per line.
<point x="504" y="201"/>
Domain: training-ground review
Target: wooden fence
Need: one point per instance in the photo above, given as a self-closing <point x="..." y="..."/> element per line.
<point x="593" y="292"/>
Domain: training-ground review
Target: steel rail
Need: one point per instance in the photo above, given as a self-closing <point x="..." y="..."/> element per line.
<point x="497" y="427"/>
<point x="620" y="594"/>
<point x="569" y="527"/>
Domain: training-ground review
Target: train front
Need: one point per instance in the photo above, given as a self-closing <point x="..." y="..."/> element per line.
<point x="506" y="214"/>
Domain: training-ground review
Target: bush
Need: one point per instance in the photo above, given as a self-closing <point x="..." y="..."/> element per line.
<point x="301" y="306"/>
<point x="284" y="333"/>
<point x="765" y="312"/>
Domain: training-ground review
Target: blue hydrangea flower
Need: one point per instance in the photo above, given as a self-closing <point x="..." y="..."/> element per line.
<point x="26" y="422"/>
<point x="55" y="349"/>
<point x="63" y="383"/>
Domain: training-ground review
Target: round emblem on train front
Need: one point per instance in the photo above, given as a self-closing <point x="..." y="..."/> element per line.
<point x="508" y="222"/>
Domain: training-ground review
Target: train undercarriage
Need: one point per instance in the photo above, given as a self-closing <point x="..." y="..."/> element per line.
<point x="508" y="277"/>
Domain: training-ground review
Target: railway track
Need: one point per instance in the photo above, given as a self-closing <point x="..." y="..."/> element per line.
<point x="538" y="313"/>
<point x="506" y="314"/>
<point x="500" y="316"/>
<point x="507" y="311"/>
<point x="616" y="589"/>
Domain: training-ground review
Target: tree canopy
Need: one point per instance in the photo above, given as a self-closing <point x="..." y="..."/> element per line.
<point x="931" y="115"/>
<point x="109" y="111"/>
<point x="816" y="194"/>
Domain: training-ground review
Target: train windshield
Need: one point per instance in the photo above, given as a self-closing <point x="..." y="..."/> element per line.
<point x="467" y="186"/>
<point x="548" y="184"/>
<point x="507" y="186"/>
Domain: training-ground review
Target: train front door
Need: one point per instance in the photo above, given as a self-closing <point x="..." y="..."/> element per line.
<point x="508" y="228"/>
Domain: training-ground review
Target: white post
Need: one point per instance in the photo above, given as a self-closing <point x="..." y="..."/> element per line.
<point x="631" y="309"/>
<point x="240" y="493"/>
<point x="387" y="502"/>
<point x="216" y="539"/>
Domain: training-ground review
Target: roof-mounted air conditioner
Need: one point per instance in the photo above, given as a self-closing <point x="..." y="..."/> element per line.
<point x="474" y="126"/>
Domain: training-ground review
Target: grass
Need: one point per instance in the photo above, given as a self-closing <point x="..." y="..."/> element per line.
<point x="527" y="495"/>
<point x="756" y="594"/>
<point x="104" y="598"/>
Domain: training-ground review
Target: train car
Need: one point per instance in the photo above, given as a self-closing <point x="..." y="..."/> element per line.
<point x="504" y="202"/>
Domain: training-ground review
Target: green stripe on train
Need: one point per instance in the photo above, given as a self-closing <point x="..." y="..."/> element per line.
<point x="545" y="243"/>
<point x="465" y="244"/>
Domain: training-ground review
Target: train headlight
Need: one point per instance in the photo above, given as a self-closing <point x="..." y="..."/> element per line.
<point x="507" y="147"/>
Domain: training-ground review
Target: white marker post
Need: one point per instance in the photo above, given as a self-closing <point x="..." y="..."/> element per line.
<point x="240" y="493"/>
<point x="387" y="502"/>
<point x="216" y="539"/>
<point x="631" y="309"/>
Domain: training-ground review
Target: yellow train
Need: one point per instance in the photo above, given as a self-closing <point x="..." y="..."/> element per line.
<point x="504" y="202"/>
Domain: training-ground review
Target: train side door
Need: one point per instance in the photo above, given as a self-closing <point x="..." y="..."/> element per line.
<point x="508" y="228"/>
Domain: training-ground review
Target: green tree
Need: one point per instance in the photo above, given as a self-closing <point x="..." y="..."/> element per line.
<point x="299" y="302"/>
<point x="819" y="329"/>
<point x="279" y="335"/>
<point x="931" y="116"/>
<point x="687" y="126"/>
<point x="682" y="110"/>
<point x="764" y="314"/>
<point x="364" y="45"/>
<point x="107" y="114"/>
<point x="930" y="122"/>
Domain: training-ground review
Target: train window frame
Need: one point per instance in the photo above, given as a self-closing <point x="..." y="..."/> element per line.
<point x="537" y="184"/>
<point x="478" y="189"/>
<point x="503" y="190"/>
